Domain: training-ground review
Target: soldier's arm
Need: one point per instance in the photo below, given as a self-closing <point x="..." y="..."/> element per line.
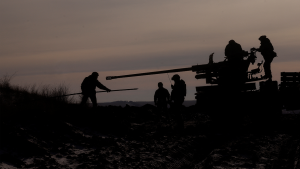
<point x="240" y="47"/>
<point x="155" y="97"/>
<point x="258" y="49"/>
<point x="101" y="86"/>
<point x="270" y="46"/>
<point x="168" y="95"/>
<point x="83" y="84"/>
<point x="183" y="87"/>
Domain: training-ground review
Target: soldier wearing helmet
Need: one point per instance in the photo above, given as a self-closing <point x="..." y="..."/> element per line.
<point x="267" y="51"/>
<point x="177" y="98"/>
<point x="234" y="51"/>
<point x="179" y="90"/>
<point x="88" y="88"/>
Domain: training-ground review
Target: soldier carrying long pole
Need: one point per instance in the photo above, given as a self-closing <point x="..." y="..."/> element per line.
<point x="98" y="92"/>
<point x="88" y="88"/>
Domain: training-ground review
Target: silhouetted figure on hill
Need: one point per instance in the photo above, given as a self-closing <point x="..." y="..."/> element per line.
<point x="177" y="98"/>
<point x="267" y="51"/>
<point x="88" y="88"/>
<point x="161" y="97"/>
<point x="234" y="51"/>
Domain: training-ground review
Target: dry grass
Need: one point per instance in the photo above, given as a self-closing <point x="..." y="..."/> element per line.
<point x="33" y="98"/>
<point x="45" y="91"/>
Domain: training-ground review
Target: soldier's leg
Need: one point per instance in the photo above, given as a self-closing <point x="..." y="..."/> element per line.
<point x="178" y="112"/>
<point x="84" y="99"/>
<point x="93" y="99"/>
<point x="270" y="60"/>
<point x="158" y="105"/>
<point x="166" y="112"/>
<point x="267" y="67"/>
<point x="165" y="107"/>
<point x="158" y="112"/>
<point x="162" y="109"/>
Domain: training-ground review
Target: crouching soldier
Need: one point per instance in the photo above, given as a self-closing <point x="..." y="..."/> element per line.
<point x="88" y="88"/>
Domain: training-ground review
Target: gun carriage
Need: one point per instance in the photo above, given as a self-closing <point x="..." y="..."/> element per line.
<point x="232" y="86"/>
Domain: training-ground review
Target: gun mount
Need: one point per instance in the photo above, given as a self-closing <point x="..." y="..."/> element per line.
<point x="232" y="92"/>
<point x="232" y="88"/>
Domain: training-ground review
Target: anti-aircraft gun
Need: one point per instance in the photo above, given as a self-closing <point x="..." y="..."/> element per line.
<point x="225" y="73"/>
<point x="231" y="86"/>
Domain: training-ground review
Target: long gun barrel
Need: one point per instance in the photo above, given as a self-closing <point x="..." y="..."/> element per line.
<point x="150" y="73"/>
<point x="195" y="68"/>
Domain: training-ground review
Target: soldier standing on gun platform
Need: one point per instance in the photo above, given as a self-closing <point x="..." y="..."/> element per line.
<point x="267" y="51"/>
<point x="88" y="88"/>
<point x="177" y="95"/>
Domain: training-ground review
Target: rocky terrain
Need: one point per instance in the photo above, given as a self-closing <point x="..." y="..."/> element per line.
<point x="38" y="131"/>
<point x="132" y="137"/>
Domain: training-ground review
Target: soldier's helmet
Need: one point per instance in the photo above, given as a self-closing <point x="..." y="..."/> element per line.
<point x="95" y="74"/>
<point x="231" y="41"/>
<point x="262" y="37"/>
<point x="176" y="77"/>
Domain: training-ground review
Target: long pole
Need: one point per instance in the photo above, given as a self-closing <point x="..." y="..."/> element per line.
<point x="169" y="78"/>
<point x="98" y="92"/>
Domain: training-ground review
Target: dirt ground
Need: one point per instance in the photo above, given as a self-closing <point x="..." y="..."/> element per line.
<point x="132" y="137"/>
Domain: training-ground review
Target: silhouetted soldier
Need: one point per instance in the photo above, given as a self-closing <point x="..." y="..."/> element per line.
<point x="177" y="96"/>
<point x="179" y="91"/>
<point x="161" y="97"/>
<point x="230" y="78"/>
<point x="267" y="51"/>
<point x="88" y="88"/>
<point x="234" y="51"/>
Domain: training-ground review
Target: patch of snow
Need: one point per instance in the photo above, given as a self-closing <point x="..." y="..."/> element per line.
<point x="61" y="161"/>
<point x="81" y="151"/>
<point x="6" y="166"/>
<point x="284" y="111"/>
<point x="29" y="161"/>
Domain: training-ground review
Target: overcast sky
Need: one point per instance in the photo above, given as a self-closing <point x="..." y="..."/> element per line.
<point x="63" y="41"/>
